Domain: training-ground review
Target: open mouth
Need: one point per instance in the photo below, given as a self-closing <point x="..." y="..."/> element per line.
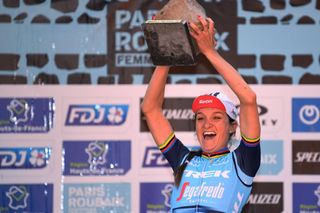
<point x="209" y="135"/>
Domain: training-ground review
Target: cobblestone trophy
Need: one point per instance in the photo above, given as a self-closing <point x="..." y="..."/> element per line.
<point x="167" y="35"/>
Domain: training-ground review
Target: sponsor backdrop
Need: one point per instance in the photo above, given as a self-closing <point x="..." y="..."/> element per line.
<point x="95" y="154"/>
<point x="86" y="148"/>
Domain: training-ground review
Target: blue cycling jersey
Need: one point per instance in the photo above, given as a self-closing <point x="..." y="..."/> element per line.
<point x="217" y="183"/>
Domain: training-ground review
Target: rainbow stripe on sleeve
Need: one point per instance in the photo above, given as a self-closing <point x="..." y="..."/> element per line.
<point x="250" y="141"/>
<point x="165" y="147"/>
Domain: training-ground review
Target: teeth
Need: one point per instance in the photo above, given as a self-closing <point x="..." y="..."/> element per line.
<point x="209" y="133"/>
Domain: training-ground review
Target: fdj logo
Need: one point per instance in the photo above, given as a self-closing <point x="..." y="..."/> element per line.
<point x="24" y="158"/>
<point x="18" y="197"/>
<point x="93" y="115"/>
<point x="154" y="158"/>
<point x="306" y="114"/>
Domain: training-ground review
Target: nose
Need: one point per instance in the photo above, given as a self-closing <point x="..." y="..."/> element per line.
<point x="208" y="124"/>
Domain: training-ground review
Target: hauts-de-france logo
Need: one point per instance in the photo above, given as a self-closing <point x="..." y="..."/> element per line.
<point x="158" y="199"/>
<point x="19" y="111"/>
<point x="306" y="197"/>
<point x="97" y="153"/>
<point x="18" y="196"/>
<point x="26" y="115"/>
<point x="96" y="157"/>
<point x="166" y="192"/>
<point x="317" y="194"/>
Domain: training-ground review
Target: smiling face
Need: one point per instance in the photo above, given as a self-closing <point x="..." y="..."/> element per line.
<point x="213" y="129"/>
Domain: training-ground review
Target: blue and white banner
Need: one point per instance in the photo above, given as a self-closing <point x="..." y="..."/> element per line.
<point x="83" y="158"/>
<point x="24" y="158"/>
<point x="31" y="198"/>
<point x="26" y="115"/>
<point x="97" y="197"/>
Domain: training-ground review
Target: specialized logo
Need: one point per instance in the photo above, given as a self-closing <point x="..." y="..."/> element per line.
<point x="308" y="157"/>
<point x="305" y="157"/>
<point x="158" y="197"/>
<point x="96" y="157"/>
<point x="26" y="115"/>
<point x="26" y="198"/>
<point x="179" y="113"/>
<point x="24" y="158"/>
<point x="265" y="195"/>
<point x="154" y="158"/>
<point x="96" y="115"/>
<point x="306" y="197"/>
<point x="97" y="197"/>
<point x="306" y="114"/>
<point x="271" y="157"/>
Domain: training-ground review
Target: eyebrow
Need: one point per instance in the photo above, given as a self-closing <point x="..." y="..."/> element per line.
<point x="214" y="113"/>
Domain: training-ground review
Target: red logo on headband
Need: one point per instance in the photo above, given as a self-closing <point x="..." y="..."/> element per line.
<point x="207" y="101"/>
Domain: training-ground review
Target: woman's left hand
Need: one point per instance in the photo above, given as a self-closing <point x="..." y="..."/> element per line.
<point x="204" y="34"/>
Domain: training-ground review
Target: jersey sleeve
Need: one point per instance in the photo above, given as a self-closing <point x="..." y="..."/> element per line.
<point x="249" y="155"/>
<point x="174" y="151"/>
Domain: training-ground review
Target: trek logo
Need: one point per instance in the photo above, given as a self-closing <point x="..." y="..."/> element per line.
<point x="26" y="115"/>
<point x="96" y="115"/>
<point x="207" y="174"/>
<point x="306" y="114"/>
<point x="154" y="158"/>
<point x="24" y="158"/>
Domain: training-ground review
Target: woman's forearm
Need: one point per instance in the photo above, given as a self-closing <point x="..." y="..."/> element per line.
<point x="155" y="92"/>
<point x="232" y="77"/>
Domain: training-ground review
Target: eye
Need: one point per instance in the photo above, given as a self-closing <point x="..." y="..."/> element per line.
<point x="216" y="117"/>
<point x="199" y="118"/>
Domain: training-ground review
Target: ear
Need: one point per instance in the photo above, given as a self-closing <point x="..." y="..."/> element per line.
<point x="233" y="127"/>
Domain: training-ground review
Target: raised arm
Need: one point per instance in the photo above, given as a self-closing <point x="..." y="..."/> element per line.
<point x="151" y="106"/>
<point x="249" y="117"/>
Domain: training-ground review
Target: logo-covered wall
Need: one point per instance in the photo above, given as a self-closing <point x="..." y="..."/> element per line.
<point x="101" y="42"/>
<point x="96" y="153"/>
